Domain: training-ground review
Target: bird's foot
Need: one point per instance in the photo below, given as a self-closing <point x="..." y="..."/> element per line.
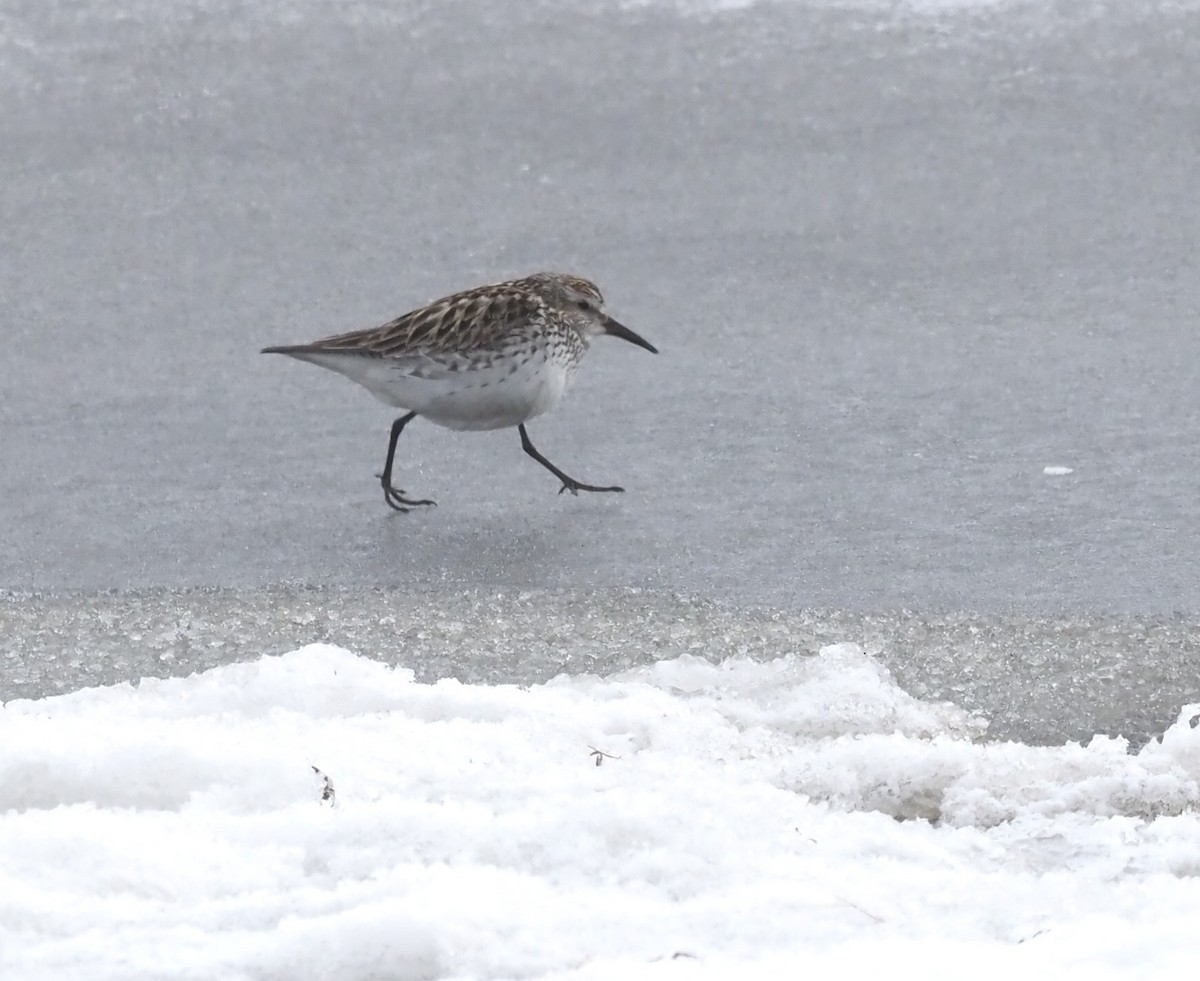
<point x="397" y="501"/>
<point x="574" y="486"/>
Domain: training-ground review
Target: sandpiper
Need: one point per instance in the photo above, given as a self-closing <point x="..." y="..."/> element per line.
<point x="486" y="358"/>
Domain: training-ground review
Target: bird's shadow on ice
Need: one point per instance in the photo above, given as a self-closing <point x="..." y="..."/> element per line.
<point x="523" y="547"/>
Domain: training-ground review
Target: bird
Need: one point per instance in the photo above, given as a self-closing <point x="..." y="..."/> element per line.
<point x="492" y="357"/>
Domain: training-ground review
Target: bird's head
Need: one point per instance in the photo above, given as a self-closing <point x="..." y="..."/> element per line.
<point x="582" y="298"/>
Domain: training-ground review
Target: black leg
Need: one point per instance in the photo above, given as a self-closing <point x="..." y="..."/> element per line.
<point x="395" y="498"/>
<point x="569" y="483"/>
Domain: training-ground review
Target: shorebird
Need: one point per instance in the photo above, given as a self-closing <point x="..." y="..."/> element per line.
<point x="487" y="358"/>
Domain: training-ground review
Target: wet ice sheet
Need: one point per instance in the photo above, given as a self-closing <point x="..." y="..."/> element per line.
<point x="896" y="267"/>
<point x="743" y="819"/>
<point x="1038" y="679"/>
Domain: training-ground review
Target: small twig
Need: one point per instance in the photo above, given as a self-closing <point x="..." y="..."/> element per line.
<point x="865" y="912"/>
<point x="601" y="756"/>
<point x="679" y="955"/>
<point x="327" y="791"/>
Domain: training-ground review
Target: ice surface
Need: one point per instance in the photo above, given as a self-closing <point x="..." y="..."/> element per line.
<point x="1040" y="680"/>
<point x="891" y="8"/>
<point x="895" y="265"/>
<point x="747" y="817"/>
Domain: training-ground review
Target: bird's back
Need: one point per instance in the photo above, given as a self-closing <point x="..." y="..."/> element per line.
<point x="463" y="322"/>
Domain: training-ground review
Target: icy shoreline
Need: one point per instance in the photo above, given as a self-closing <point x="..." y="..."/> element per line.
<point x="1038" y="679"/>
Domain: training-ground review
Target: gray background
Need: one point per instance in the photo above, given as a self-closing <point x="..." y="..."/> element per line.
<point x="897" y="263"/>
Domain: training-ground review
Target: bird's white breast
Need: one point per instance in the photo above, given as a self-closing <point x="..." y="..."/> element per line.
<point x="504" y="394"/>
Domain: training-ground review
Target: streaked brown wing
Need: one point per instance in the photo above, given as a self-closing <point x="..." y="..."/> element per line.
<point x="462" y="322"/>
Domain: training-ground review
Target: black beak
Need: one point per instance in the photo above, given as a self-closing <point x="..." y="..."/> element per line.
<point x="623" y="332"/>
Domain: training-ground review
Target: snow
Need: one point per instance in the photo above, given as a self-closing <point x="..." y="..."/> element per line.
<point x="747" y="818"/>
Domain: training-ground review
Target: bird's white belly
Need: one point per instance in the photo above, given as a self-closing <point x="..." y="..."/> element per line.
<point x="458" y="392"/>
<point x="498" y="396"/>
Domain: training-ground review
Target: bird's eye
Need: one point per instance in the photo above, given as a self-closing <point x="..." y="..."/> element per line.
<point x="583" y="304"/>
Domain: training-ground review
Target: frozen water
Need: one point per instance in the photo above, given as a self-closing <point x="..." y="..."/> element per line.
<point x="1037" y="679"/>
<point x="895" y="265"/>
<point x="747" y="818"/>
